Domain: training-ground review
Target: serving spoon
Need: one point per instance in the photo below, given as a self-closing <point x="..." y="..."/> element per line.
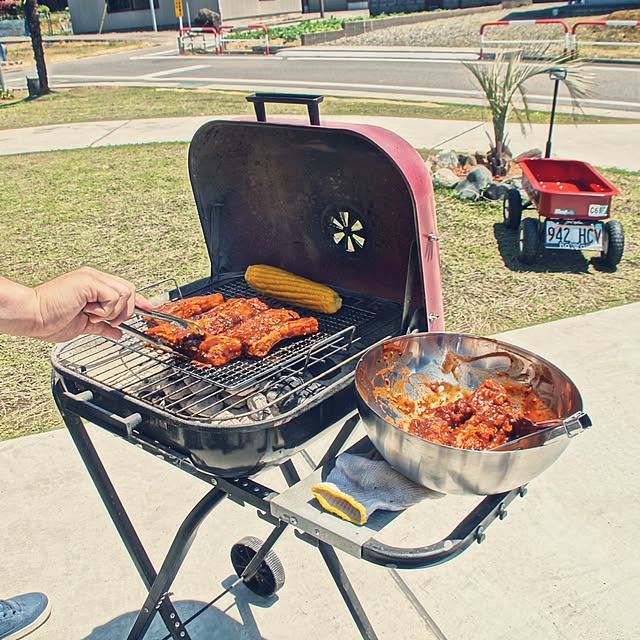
<point x="548" y="430"/>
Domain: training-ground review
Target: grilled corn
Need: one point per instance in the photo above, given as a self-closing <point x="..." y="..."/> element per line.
<point x="296" y="290"/>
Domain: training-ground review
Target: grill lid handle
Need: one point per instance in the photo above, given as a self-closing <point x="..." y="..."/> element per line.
<point x="312" y="102"/>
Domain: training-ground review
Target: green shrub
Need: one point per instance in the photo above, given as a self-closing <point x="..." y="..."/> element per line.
<point x="292" y="32"/>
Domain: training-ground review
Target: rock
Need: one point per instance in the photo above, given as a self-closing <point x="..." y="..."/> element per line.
<point x="481" y="158"/>
<point x="466" y="160"/>
<point x="445" y="178"/>
<point x="475" y="183"/>
<point x="207" y="18"/>
<point x="448" y="160"/>
<point x="466" y="191"/>
<point x="532" y="153"/>
<point x="496" y="191"/>
<point x="480" y="176"/>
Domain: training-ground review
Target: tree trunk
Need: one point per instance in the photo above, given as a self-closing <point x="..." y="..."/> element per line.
<point x="498" y="164"/>
<point x="33" y="23"/>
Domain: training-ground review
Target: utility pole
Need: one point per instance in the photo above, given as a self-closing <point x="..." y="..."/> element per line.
<point x="153" y="15"/>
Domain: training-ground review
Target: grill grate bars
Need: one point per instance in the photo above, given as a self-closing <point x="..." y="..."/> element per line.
<point x="183" y="389"/>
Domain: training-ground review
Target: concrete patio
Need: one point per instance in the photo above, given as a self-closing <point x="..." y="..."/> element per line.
<point x="563" y="565"/>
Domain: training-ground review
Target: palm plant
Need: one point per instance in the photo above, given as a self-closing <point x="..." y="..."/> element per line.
<point x="503" y="84"/>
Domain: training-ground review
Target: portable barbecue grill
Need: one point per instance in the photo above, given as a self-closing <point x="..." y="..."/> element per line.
<point x="351" y="206"/>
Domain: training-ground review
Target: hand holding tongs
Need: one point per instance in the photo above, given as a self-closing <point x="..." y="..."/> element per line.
<point x="159" y="344"/>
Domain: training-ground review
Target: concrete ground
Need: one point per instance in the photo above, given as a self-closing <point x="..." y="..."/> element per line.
<point x="610" y="145"/>
<point x="565" y="563"/>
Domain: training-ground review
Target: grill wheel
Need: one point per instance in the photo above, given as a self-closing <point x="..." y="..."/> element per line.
<point x="269" y="577"/>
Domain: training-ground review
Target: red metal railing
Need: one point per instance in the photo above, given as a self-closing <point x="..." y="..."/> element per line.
<point x="520" y="23"/>
<point x="603" y="23"/>
<point x="237" y="29"/>
<point x="187" y="35"/>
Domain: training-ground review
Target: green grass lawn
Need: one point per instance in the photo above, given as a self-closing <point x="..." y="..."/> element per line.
<point x="129" y="210"/>
<point x="86" y="104"/>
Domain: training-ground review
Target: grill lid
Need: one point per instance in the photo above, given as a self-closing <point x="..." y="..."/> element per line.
<point x="339" y="204"/>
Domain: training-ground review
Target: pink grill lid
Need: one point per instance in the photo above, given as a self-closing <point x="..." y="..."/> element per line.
<point x="339" y="204"/>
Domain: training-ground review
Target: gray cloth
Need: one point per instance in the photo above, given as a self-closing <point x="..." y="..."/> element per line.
<point x="357" y="486"/>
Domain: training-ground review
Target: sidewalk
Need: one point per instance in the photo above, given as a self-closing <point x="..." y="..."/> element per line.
<point x="564" y="565"/>
<point x="610" y="145"/>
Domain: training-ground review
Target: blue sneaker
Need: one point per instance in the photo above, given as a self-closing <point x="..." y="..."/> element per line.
<point x="22" y="614"/>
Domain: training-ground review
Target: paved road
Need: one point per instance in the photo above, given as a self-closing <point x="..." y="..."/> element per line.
<point x="407" y="73"/>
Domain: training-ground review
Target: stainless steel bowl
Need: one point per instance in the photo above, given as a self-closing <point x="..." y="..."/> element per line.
<point x="403" y="364"/>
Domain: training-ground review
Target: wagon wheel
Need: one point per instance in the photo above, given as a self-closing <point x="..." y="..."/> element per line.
<point x="528" y="238"/>
<point x="269" y="577"/>
<point x="613" y="244"/>
<point x="512" y="209"/>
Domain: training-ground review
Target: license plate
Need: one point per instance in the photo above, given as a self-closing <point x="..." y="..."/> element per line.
<point x="598" y="210"/>
<point x="573" y="235"/>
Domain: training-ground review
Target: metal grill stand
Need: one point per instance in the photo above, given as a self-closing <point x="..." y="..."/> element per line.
<point x="291" y="507"/>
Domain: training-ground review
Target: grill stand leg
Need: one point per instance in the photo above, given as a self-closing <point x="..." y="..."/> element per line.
<point x="172" y="563"/>
<point x="328" y="553"/>
<point x="252" y="568"/>
<point x="156" y="583"/>
<point x="346" y="591"/>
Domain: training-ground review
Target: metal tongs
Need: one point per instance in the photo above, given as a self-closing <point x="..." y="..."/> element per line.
<point x="159" y="315"/>
<point x="549" y="430"/>
<point x="157" y="343"/>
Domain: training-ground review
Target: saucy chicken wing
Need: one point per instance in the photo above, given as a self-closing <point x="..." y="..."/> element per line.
<point x="239" y="326"/>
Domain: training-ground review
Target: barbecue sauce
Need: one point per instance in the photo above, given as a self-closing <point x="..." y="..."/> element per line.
<point x="488" y="417"/>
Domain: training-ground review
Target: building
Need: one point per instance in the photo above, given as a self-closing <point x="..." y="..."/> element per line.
<point x="93" y="16"/>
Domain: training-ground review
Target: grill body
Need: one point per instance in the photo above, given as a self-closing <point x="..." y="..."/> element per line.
<point x="350" y="206"/>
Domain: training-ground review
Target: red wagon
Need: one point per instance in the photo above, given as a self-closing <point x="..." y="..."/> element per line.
<point x="575" y="201"/>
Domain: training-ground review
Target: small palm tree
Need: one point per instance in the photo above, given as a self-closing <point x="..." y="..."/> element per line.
<point x="503" y="84"/>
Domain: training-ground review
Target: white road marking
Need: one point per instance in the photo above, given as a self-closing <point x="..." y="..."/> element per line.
<point x="380" y="58"/>
<point x="217" y="83"/>
<point x="161" y="74"/>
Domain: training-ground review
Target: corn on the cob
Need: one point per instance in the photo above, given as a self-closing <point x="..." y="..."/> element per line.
<point x="295" y="290"/>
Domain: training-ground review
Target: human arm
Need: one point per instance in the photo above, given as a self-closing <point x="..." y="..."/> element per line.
<point x="77" y="302"/>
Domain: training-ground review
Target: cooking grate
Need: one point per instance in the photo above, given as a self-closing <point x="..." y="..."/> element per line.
<point x="104" y="359"/>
